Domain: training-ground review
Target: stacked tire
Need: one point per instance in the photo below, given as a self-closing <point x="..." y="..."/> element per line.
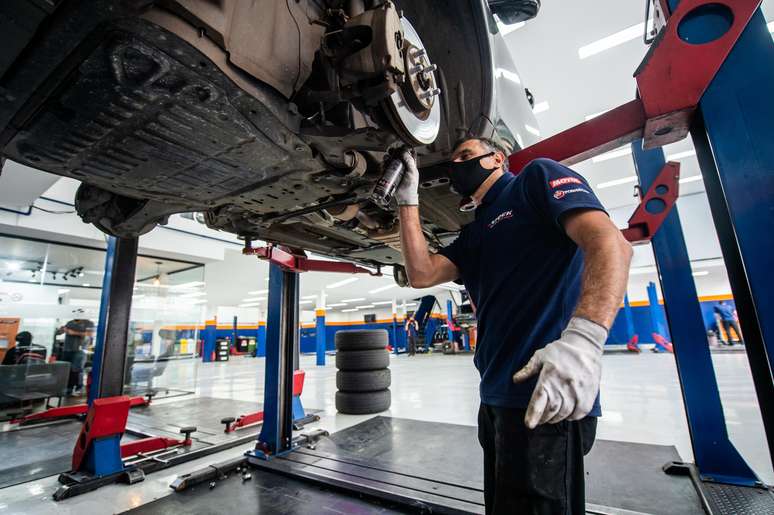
<point x="363" y="378"/>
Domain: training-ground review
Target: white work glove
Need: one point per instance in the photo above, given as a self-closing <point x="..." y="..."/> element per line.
<point x="407" y="193"/>
<point x="570" y="369"/>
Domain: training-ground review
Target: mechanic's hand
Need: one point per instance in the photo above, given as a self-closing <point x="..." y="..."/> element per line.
<point x="407" y="193"/>
<point x="570" y="369"/>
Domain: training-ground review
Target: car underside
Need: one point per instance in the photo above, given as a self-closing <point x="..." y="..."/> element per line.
<point x="270" y="117"/>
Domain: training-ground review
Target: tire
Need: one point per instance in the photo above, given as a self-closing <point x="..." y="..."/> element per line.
<point x="376" y="359"/>
<point x="361" y="339"/>
<point x="363" y="381"/>
<point x="363" y="403"/>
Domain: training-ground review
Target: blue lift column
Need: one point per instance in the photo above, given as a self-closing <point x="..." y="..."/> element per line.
<point x="104" y="303"/>
<point x="716" y="457"/>
<point x="733" y="134"/>
<point x="320" y="336"/>
<point x="282" y="336"/>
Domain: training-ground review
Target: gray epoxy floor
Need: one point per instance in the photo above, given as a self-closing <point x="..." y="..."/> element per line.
<point x="640" y="397"/>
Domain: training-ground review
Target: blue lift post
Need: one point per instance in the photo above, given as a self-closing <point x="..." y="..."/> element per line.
<point x="629" y="318"/>
<point x="99" y="342"/>
<point x="733" y="134"/>
<point x="281" y="344"/>
<point x="716" y="457"/>
<point x="101" y="456"/>
<point x="320" y="336"/>
<point x="655" y="316"/>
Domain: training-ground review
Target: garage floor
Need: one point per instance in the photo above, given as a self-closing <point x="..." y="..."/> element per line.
<point x="640" y="397"/>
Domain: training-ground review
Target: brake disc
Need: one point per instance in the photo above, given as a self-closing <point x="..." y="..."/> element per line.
<point x="414" y="109"/>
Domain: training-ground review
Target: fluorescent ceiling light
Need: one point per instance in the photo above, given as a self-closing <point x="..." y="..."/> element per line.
<point x="692" y="178"/>
<point x="508" y="75"/>
<point x="62" y="291"/>
<point x="192" y="294"/>
<point x="13" y="265"/>
<point x="348" y="310"/>
<point x="382" y="303"/>
<point x="410" y="304"/>
<point x="251" y="299"/>
<point x="611" y="41"/>
<point x="338" y="305"/>
<point x="624" y="151"/>
<point x="771" y="26"/>
<point x="249" y="305"/>
<point x="699" y="274"/>
<point x="193" y="284"/>
<point x="507" y="29"/>
<point x="616" y="182"/>
<point x="642" y="270"/>
<point x="594" y="115"/>
<point x="681" y="155"/>
<point x="135" y="297"/>
<point x="541" y="107"/>
<point x="353" y="300"/>
<point x="309" y="297"/>
<point x="259" y="292"/>
<point x="200" y="301"/>
<point x="342" y="283"/>
<point x="367" y="306"/>
<point x="383" y="288"/>
<point x="86" y="285"/>
<point x="532" y="130"/>
<point x="306" y="302"/>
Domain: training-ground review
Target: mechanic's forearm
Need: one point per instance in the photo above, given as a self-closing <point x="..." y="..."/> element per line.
<point x="417" y="259"/>
<point x="607" y="256"/>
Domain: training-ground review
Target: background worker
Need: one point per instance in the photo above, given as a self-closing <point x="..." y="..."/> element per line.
<point x="412" y="328"/>
<point x="727" y="316"/>
<point x="547" y="271"/>
<point x="24" y="352"/>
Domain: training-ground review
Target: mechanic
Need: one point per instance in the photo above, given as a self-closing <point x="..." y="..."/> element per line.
<point x="411" y="327"/>
<point x="728" y="320"/>
<point x="547" y="271"/>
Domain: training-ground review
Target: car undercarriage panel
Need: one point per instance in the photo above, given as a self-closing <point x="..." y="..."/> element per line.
<point x="145" y="106"/>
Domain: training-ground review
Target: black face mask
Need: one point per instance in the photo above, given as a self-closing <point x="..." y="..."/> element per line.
<point x="467" y="176"/>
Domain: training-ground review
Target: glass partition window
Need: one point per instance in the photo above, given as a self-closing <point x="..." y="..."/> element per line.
<point x="49" y="307"/>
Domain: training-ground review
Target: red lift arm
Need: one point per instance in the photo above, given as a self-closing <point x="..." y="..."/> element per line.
<point x="296" y="261"/>
<point x="670" y="82"/>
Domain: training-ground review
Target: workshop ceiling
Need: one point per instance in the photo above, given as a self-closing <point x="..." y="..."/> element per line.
<point x="546" y="50"/>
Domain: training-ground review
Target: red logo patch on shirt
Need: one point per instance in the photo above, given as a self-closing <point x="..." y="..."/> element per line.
<point x="564" y="180"/>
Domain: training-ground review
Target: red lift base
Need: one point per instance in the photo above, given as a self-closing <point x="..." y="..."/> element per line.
<point x="74" y="411"/>
<point x="251" y="419"/>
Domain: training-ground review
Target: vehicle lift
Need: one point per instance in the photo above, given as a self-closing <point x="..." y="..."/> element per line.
<point x="713" y="87"/>
<point x="696" y="63"/>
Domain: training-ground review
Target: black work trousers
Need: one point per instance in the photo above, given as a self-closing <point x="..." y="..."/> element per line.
<point x="728" y="325"/>
<point x="531" y="472"/>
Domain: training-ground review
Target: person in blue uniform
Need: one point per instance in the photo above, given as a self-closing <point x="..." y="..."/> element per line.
<point x="727" y="316"/>
<point x="547" y="271"/>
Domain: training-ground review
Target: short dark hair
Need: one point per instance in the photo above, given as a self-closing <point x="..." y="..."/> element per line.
<point x="489" y="144"/>
<point x="24" y="339"/>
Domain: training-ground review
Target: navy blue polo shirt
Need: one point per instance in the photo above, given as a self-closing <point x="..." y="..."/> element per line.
<point x="725" y="311"/>
<point x="522" y="271"/>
